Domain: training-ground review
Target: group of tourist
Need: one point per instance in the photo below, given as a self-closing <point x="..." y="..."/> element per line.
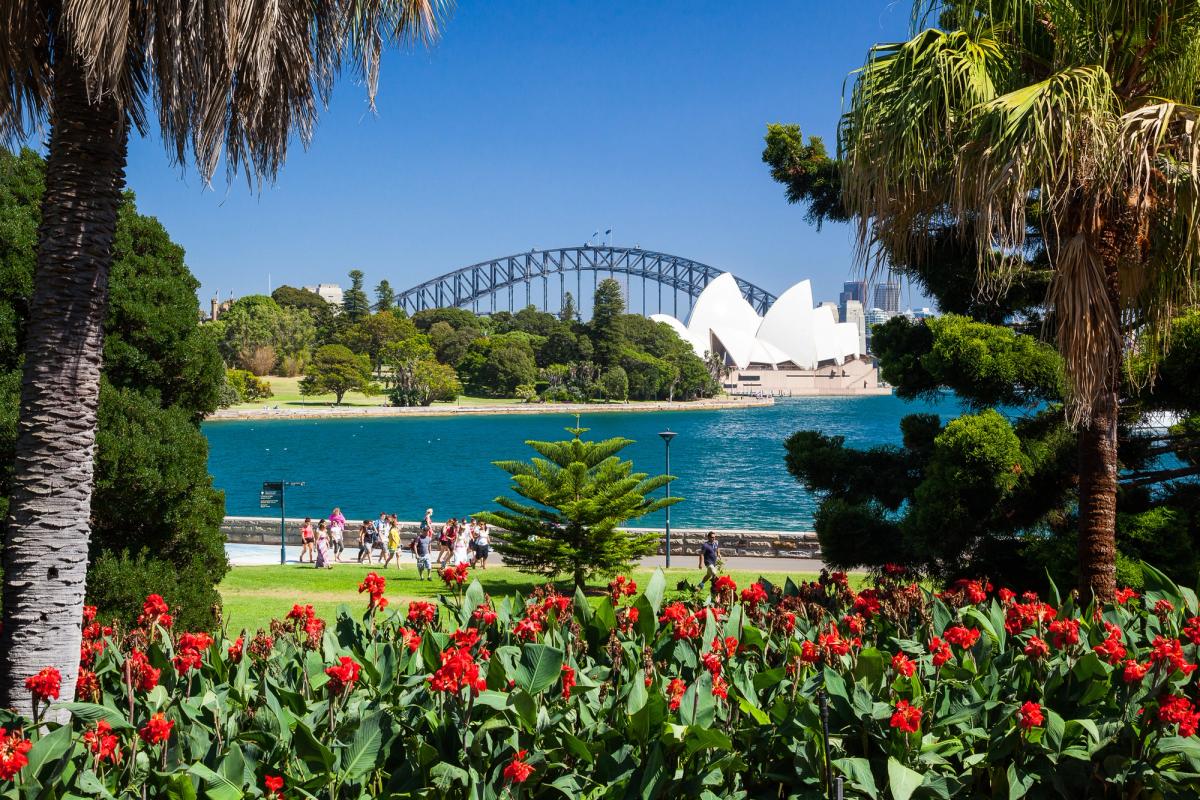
<point x="458" y="542"/>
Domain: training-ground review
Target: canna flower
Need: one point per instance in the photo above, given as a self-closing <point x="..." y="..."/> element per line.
<point x="103" y="743"/>
<point x="1112" y="649"/>
<point x="675" y="691"/>
<point x="904" y="665"/>
<point x="568" y="681"/>
<point x="1178" y="710"/>
<point x="465" y="638"/>
<point x="517" y="770"/>
<point x="963" y="637"/>
<point x="1029" y="716"/>
<point x="87" y="686"/>
<point x="410" y="639"/>
<point x="1192" y="630"/>
<point x="1134" y="672"/>
<point x="274" y="785"/>
<point x="45" y="685"/>
<point x="1064" y="633"/>
<point x="484" y="614"/>
<point x="343" y="675"/>
<point x="621" y="587"/>
<point x="157" y="729"/>
<point x="867" y="603"/>
<point x="527" y="629"/>
<point x="725" y="584"/>
<point x="1036" y="648"/>
<point x="754" y="594"/>
<point x="143" y="676"/>
<point x="13" y="750"/>
<point x="421" y="611"/>
<point x="374" y="584"/>
<point x="1170" y="651"/>
<point x="719" y="687"/>
<point x="906" y="717"/>
<point x="1126" y="594"/>
<point x="455" y="576"/>
<point x="235" y="650"/>
<point x="940" y="651"/>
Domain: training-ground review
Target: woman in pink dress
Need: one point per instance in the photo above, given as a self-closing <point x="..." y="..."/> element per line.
<point x="323" y="546"/>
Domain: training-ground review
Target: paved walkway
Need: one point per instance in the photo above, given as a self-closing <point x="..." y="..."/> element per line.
<point x="245" y="555"/>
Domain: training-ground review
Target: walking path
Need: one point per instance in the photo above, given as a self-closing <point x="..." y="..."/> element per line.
<point x="246" y="555"/>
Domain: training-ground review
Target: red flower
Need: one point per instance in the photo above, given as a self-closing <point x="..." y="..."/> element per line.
<point x="13" y="747"/>
<point x="809" y="652"/>
<point x="343" y="675"/>
<point x="906" y="717"/>
<point x="712" y="662"/>
<point x="374" y="584"/>
<point x="1064" y="633"/>
<point x="1036" y="648"/>
<point x="1163" y="609"/>
<point x="1134" y="672"/>
<point x="1029" y="716"/>
<point x="189" y="651"/>
<point x="963" y="637"/>
<point x="273" y="784"/>
<point x="45" y="685"/>
<point x="940" y="651"/>
<point x="103" y="743"/>
<point x="1125" y="595"/>
<point x="621" y="587"/>
<point x="1176" y="709"/>
<point x="854" y="623"/>
<point x="719" y="687"/>
<point x="1192" y="630"/>
<point x="675" y="691"/>
<point x="1020" y="616"/>
<point x="832" y="643"/>
<point x="455" y="576"/>
<point x="1006" y="595"/>
<point x="154" y="611"/>
<point x="143" y="676"/>
<point x="235" y="650"/>
<point x="410" y="639"/>
<point x="468" y="638"/>
<point x="484" y="614"/>
<point x="626" y="618"/>
<point x="568" y="681"/>
<point x="87" y="686"/>
<point x="1170" y="651"/>
<point x="867" y="603"/>
<point x="725" y="584"/>
<point x="1112" y="649"/>
<point x="527" y="629"/>
<point x="421" y="611"/>
<point x="754" y="594"/>
<point x="157" y="729"/>
<point x="458" y="671"/>
<point x="261" y="646"/>
<point x="517" y="770"/>
<point x="904" y="665"/>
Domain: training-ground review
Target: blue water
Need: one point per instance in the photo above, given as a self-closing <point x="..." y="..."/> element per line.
<point x="729" y="463"/>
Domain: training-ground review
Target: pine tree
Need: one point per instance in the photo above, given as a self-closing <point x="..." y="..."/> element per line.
<point x="568" y="312"/>
<point x="355" y="304"/>
<point x="607" y="308"/>
<point x="385" y="296"/>
<point x="578" y="493"/>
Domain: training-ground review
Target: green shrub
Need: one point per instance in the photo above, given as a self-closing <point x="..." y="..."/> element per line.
<point x="248" y="386"/>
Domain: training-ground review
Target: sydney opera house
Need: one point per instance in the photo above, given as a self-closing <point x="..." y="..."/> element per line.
<point x="795" y="348"/>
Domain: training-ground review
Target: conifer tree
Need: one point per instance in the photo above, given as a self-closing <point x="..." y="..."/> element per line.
<point x="355" y="304"/>
<point x="574" y="498"/>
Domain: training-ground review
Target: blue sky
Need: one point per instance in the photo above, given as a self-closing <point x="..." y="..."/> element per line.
<point x="535" y="124"/>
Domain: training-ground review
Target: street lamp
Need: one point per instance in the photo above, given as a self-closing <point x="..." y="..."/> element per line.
<point x="667" y="436"/>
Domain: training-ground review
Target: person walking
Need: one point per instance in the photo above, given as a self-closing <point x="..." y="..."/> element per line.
<point x="483" y="546"/>
<point x="462" y="546"/>
<point x="710" y="556"/>
<point x="307" y="537"/>
<point x="421" y="546"/>
<point x="393" y="541"/>
<point x="382" y="526"/>
<point x="337" y="526"/>
<point x="445" y="540"/>
<point x="366" y="532"/>
<point x="322" y="561"/>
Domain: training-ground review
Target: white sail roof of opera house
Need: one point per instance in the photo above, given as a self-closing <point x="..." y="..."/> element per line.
<point x="793" y="332"/>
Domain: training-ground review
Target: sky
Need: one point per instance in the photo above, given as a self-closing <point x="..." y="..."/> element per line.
<point x="534" y="125"/>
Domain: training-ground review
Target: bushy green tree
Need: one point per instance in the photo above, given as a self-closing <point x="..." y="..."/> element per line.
<point x="247" y="386"/>
<point x="495" y="366"/>
<point x="573" y="500"/>
<point x="614" y="384"/>
<point x="385" y="296"/>
<point x="335" y="370"/>
<point x="608" y="335"/>
<point x="454" y="317"/>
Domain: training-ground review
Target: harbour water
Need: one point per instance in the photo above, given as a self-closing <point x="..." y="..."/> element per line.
<point x="729" y="463"/>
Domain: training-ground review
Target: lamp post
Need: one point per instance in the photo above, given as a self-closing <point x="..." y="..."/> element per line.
<point x="667" y="436"/>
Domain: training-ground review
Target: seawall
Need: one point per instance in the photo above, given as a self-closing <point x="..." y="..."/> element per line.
<point x="684" y="541"/>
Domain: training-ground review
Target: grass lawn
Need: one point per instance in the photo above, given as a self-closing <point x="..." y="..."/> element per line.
<point x="253" y="595"/>
<point x="286" y="392"/>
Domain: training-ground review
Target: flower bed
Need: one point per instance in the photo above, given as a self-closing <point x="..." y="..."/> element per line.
<point x="968" y="693"/>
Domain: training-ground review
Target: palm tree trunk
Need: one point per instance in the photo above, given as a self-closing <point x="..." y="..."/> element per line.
<point x="1098" y="457"/>
<point x="48" y="528"/>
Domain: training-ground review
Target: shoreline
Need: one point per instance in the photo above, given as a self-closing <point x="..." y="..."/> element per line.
<point x="320" y="412"/>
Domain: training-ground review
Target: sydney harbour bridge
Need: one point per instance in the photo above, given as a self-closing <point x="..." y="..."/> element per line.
<point x="516" y="281"/>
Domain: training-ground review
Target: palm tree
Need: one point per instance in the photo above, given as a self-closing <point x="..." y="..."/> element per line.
<point x="1071" y="121"/>
<point x="231" y="81"/>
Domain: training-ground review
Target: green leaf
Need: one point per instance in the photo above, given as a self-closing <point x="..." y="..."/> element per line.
<point x="858" y="770"/>
<point x="1019" y="783"/>
<point x="48" y="750"/>
<point x="92" y="712"/>
<point x="217" y="786"/>
<point x="539" y="668"/>
<point x="444" y="775"/>
<point x="706" y="739"/>
<point x="604" y="619"/>
<point x="583" y="609"/>
<point x="472" y="599"/>
<point x="698" y="706"/>
<point x="312" y="752"/>
<point x="902" y="781"/>
<point x="637" y="696"/>
<point x="180" y="787"/>
<point x="655" y="589"/>
<point x="364" y="749"/>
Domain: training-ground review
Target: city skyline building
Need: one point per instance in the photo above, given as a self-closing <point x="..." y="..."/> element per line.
<point x="855" y="315"/>
<point x="887" y="297"/>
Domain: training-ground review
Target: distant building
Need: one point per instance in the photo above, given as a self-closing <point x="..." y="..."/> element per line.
<point x="875" y="316"/>
<point x="852" y="291"/>
<point x="920" y="313"/>
<point x="217" y="307"/>
<point x="330" y="292"/>
<point x="854" y="314"/>
<point x="887" y="297"/>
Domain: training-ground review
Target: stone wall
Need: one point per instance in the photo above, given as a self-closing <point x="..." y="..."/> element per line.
<point x="684" y="541"/>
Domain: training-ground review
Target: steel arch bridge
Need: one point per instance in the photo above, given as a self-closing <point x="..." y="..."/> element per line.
<point x="490" y="280"/>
